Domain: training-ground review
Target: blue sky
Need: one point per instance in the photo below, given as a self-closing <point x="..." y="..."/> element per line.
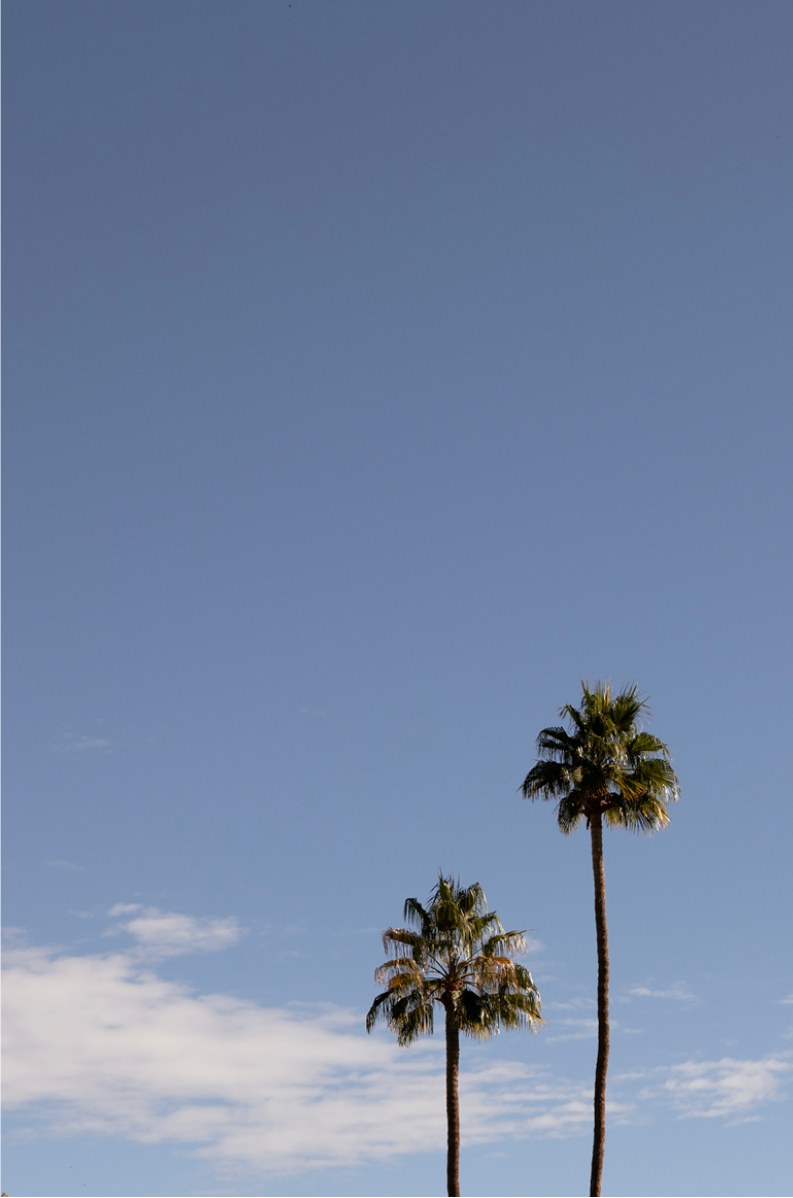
<point x="375" y="372"/>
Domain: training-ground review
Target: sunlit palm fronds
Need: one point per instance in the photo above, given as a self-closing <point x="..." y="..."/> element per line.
<point x="603" y="762"/>
<point x="461" y="957"/>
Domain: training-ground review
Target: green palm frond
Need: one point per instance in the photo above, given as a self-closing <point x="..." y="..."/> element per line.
<point x="550" y="778"/>
<point x="604" y="762"/>
<point x="473" y="1014"/>
<point x="399" y="968"/>
<point x="375" y="1011"/>
<point x="517" y="1010"/>
<point x="414" y="912"/>
<point x="409" y="1015"/>
<point x="570" y="810"/>
<point x="417" y="1021"/>
<point x="462" y="958"/>
<point x="509" y="943"/>
<point x="403" y="941"/>
<point x="482" y="1015"/>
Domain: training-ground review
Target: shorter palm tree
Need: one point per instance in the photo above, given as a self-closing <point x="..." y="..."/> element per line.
<point x="461" y="957"/>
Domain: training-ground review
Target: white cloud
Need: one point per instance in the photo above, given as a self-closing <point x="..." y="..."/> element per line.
<point x="580" y="1029"/>
<point x="100" y="1045"/>
<point x="168" y="934"/>
<point x="678" y="991"/>
<point x="69" y="866"/>
<point x="709" y="1089"/>
<point x="575" y="1004"/>
<point x="110" y="1049"/>
<point x="787" y="1000"/>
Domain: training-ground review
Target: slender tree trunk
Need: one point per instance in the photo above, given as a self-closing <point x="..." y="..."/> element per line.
<point x="599" y="1144"/>
<point x="452" y="1105"/>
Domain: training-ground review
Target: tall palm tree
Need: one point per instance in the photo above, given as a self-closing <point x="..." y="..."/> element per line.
<point x="461" y="957"/>
<point x="603" y="767"/>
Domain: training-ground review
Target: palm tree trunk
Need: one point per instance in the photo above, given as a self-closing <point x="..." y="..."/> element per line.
<point x="599" y="1144"/>
<point x="452" y="1105"/>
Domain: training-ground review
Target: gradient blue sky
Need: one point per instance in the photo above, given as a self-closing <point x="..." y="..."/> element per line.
<point x="375" y="372"/>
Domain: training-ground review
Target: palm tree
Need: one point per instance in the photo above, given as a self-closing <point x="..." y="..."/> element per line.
<point x="461" y="957"/>
<point x="603" y="767"/>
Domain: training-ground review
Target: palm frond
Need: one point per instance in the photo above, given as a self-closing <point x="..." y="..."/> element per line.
<point x="554" y="741"/>
<point x="646" y="813"/>
<point x="401" y="936"/>
<point x="413" y="1022"/>
<point x="643" y="743"/>
<point x="549" y="779"/>
<point x="409" y="1015"/>
<point x="509" y="942"/>
<point x="573" y="715"/>
<point x="480" y="1015"/>
<point x="461" y="957"/>
<point x="414" y="912"/>
<point x="570" y="810"/>
<point x="402" y="968"/>
<point x="514" y="1011"/>
<point x="604" y="762"/>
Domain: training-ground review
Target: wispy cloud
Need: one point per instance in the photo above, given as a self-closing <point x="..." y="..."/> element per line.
<point x="577" y="1029"/>
<point x="725" y="1088"/>
<point x="679" y="991"/>
<point x="168" y="934"/>
<point x="68" y="866"/>
<point x="68" y="742"/>
<point x="573" y="1004"/>
<point x="12" y="935"/>
<point x="788" y="1000"/>
<point x="101" y="1045"/>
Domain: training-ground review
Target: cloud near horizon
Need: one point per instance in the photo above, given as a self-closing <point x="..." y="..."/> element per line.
<point x="100" y="1045"/>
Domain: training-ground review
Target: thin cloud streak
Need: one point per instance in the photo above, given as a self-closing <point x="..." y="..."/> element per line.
<point x="68" y="742"/>
<point x="678" y="991"/>
<point x="168" y="934"/>
<point x="585" y="1029"/>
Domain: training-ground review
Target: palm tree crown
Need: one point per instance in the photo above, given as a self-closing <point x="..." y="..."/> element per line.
<point x="459" y="956"/>
<point x="604" y="763"/>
